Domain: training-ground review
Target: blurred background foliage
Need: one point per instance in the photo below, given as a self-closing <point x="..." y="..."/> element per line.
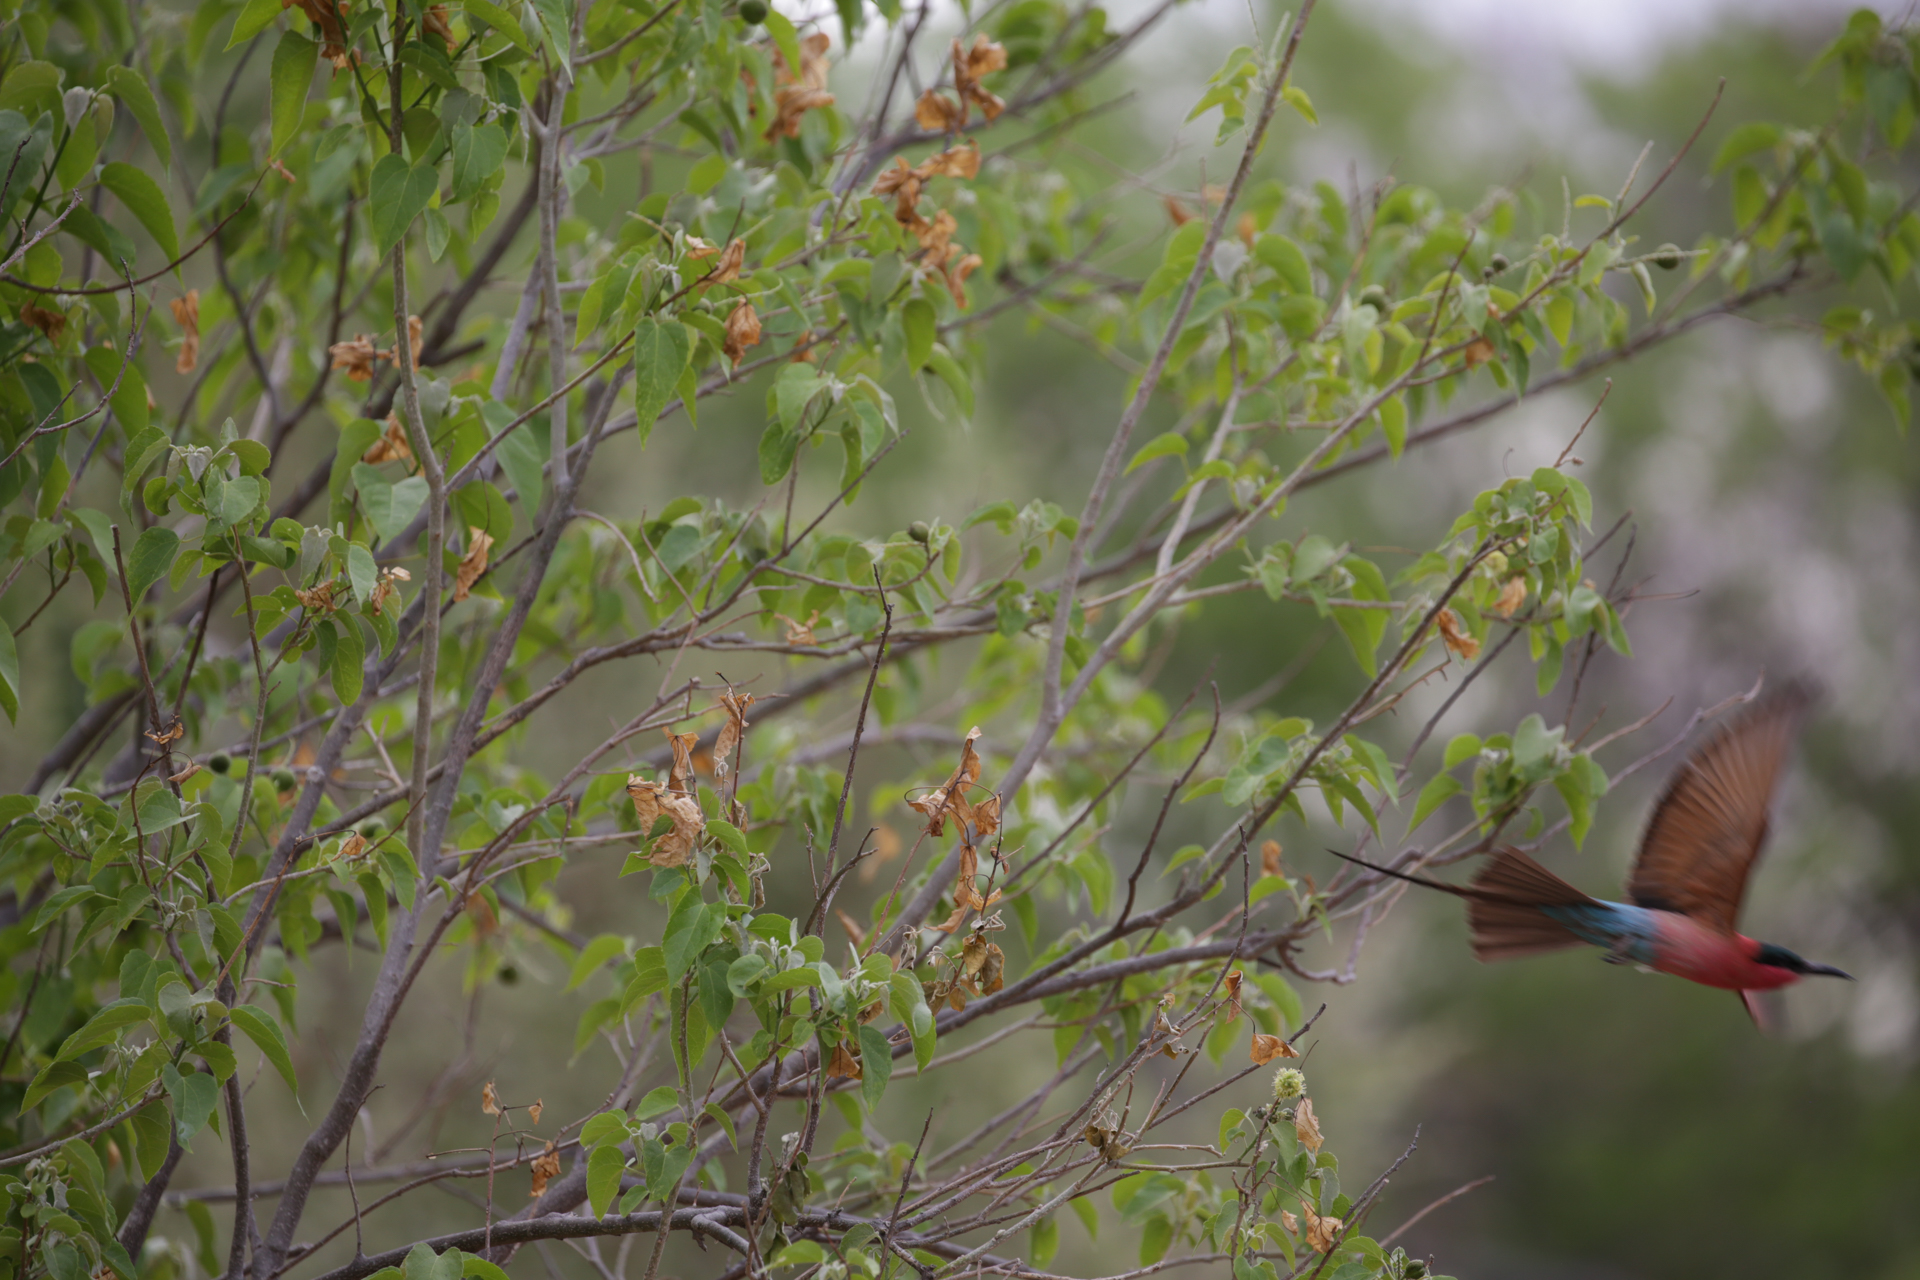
<point x="1633" y="1126"/>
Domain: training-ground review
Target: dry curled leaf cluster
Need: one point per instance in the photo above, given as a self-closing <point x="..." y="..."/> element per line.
<point x="905" y="183"/>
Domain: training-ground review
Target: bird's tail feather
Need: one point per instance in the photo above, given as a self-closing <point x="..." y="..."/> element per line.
<point x="1503" y="905"/>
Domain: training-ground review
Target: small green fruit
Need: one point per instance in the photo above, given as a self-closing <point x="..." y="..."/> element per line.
<point x="373" y="829"/>
<point x="1667" y="257"/>
<point x="1499" y="263"/>
<point x="920" y="531"/>
<point x="220" y="762"/>
<point x="507" y="973"/>
<point x="753" y="12"/>
<point x="284" y="781"/>
<point x="1376" y="297"/>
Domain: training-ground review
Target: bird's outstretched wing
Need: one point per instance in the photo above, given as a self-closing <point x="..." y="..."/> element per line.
<point x="1707" y="828"/>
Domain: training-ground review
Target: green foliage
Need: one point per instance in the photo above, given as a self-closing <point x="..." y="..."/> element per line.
<point x="329" y="714"/>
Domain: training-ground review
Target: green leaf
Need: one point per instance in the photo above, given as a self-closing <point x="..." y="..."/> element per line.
<point x="785" y="37"/>
<point x="917" y="321"/>
<point x="1287" y="262"/>
<point x="658" y="1102"/>
<point x="193" y="1098"/>
<point x="151" y="557"/>
<point x="255" y="17"/>
<point x="145" y="200"/>
<point x="649" y="976"/>
<point x="1297" y="98"/>
<point x="497" y="17"/>
<point x="1155" y="1239"/>
<point x="361" y="571"/>
<point x="104" y="1027"/>
<point x="690" y="928"/>
<point x="556" y="23"/>
<point x="1755" y="135"/>
<point x="291" y="78"/>
<point x="389" y="507"/>
<point x="604" y="1167"/>
<point x="660" y="353"/>
<point x="1167" y="444"/>
<point x="55" y="1075"/>
<point x="9" y="674"/>
<point x="943" y="363"/>
<point x="268" y="1038"/>
<point x="474" y="1267"/>
<point x="876" y="1064"/>
<point x="149" y="1125"/>
<point x="729" y="835"/>
<point x="478" y="153"/>
<point x="593" y="956"/>
<point x="397" y="193"/>
<point x="1436" y="793"/>
<point x="777" y="449"/>
<point x="131" y="88"/>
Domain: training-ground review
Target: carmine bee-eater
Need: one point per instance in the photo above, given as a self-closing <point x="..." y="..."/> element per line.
<point x="1687" y="882"/>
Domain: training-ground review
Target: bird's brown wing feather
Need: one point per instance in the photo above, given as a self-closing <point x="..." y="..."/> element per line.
<point x="1503" y="908"/>
<point x="1707" y="828"/>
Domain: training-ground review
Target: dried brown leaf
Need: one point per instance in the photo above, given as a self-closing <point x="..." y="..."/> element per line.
<point x="937" y="113"/>
<point x="356" y="357"/>
<point x="852" y="926"/>
<point x="546" y="1167"/>
<point x="743" y="330"/>
<point x="47" y="321"/>
<point x="326" y="15"/>
<point x="935" y="804"/>
<point x="1306" y="1126"/>
<point x="1323" y="1232"/>
<point x="727" y="270"/>
<point x="1266" y="1048"/>
<point x="186" y="314"/>
<point x="533" y="1112"/>
<point x="472" y="564"/>
<point x="392" y="444"/>
<point x="1230" y="988"/>
<point x="681" y="745"/>
<point x="1477" y="352"/>
<point x="435" y="23"/>
<point x="1270" y="858"/>
<point x="1512" y="596"/>
<point x="490" y="1100"/>
<point x="1456" y="636"/>
<point x="731" y="732"/>
<point x="843" y="1063"/>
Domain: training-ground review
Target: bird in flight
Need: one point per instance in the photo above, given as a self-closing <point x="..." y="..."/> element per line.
<point x="1706" y="831"/>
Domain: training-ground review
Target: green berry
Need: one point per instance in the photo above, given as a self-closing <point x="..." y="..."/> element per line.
<point x="753" y="12"/>
<point x="920" y="531"/>
<point x="220" y="762"/>
<point x="284" y="781"/>
<point x="508" y="975"/>
<point x="1667" y="257"/>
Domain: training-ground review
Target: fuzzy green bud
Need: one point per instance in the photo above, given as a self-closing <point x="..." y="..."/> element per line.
<point x="1288" y="1082"/>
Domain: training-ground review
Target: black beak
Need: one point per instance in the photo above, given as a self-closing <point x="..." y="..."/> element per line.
<point x="1827" y="970"/>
